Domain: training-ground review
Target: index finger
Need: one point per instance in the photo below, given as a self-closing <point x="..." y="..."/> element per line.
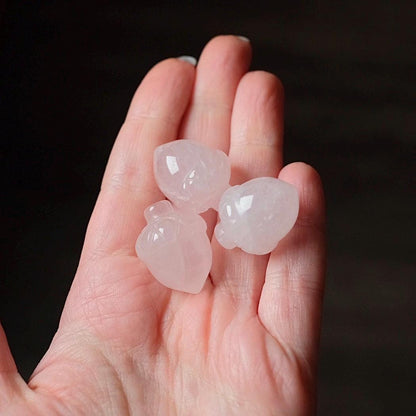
<point x="128" y="185"/>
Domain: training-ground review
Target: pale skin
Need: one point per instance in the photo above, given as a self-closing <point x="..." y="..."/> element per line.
<point x="248" y="343"/>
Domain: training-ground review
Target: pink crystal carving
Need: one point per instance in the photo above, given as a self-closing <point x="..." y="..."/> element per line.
<point x="191" y="175"/>
<point x="175" y="247"/>
<point x="256" y="215"/>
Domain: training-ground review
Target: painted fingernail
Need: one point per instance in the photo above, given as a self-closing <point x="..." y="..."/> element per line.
<point x="243" y="38"/>
<point x="190" y="59"/>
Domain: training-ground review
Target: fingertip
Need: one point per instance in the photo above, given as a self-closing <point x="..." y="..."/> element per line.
<point x="263" y="85"/>
<point x="174" y="65"/>
<point x="165" y="78"/>
<point x="227" y="45"/>
<point x="311" y="194"/>
<point x="301" y="172"/>
<point x="268" y="79"/>
<point x="228" y="38"/>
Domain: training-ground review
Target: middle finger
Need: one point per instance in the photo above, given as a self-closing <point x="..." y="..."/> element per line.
<point x="222" y="64"/>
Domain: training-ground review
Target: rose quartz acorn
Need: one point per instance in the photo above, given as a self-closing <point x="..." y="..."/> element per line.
<point x="175" y="247"/>
<point x="256" y="215"/>
<point x="191" y="175"/>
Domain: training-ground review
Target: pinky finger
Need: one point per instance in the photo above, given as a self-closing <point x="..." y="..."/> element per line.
<point x="291" y="300"/>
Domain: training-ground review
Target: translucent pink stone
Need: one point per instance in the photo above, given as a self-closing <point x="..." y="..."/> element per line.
<point x="256" y="215"/>
<point x="191" y="175"/>
<point x="175" y="247"/>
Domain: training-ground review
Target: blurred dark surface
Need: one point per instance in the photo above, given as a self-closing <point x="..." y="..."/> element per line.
<point x="68" y="71"/>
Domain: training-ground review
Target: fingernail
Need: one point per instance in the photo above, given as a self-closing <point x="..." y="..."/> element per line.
<point x="243" y="38"/>
<point x="190" y="59"/>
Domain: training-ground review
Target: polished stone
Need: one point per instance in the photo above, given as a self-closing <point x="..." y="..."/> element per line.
<point x="256" y="215"/>
<point x="175" y="247"/>
<point x="191" y="175"/>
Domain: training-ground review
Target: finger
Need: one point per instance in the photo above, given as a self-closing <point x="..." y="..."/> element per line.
<point x="10" y="380"/>
<point x="255" y="150"/>
<point x="128" y="185"/>
<point x="223" y="62"/>
<point x="291" y="299"/>
<point x="257" y="128"/>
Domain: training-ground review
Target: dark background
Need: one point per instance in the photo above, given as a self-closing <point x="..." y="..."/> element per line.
<point x="68" y="71"/>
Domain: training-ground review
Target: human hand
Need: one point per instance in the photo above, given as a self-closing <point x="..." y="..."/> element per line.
<point x="247" y="344"/>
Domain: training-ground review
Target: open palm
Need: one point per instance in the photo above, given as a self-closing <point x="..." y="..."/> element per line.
<point x="247" y="344"/>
